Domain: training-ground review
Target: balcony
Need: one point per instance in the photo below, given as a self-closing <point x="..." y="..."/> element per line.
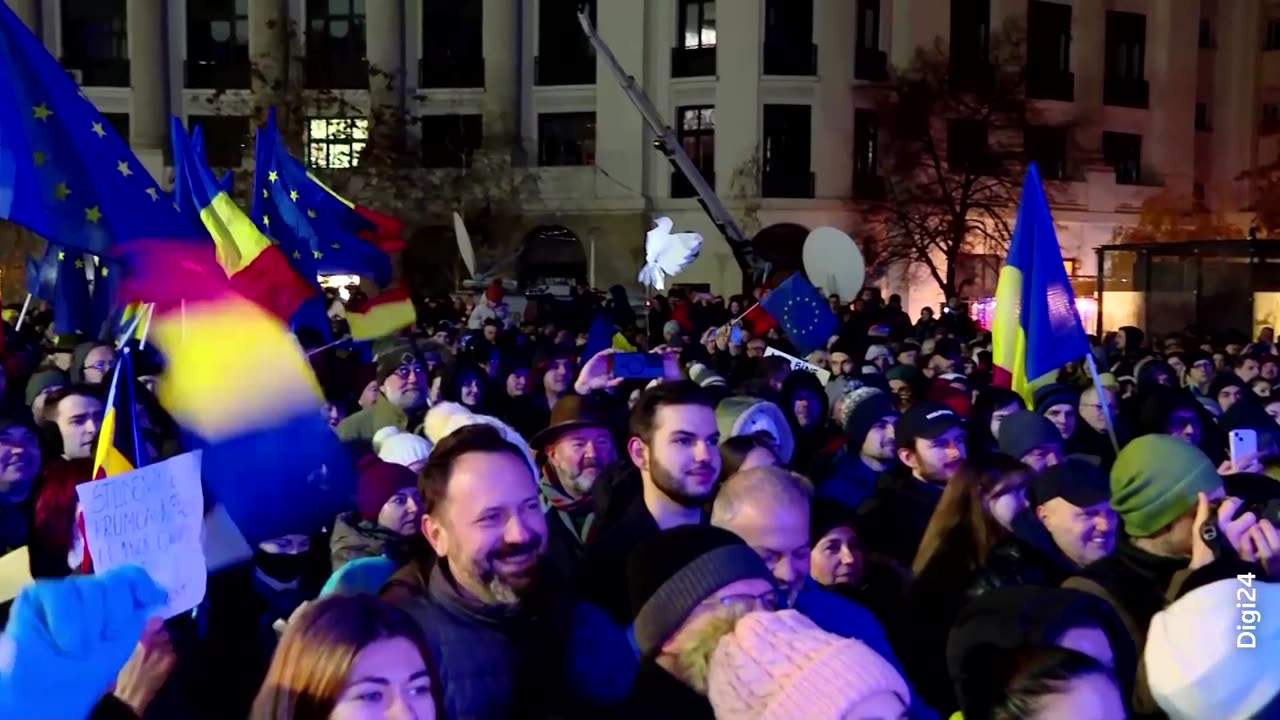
<point x="693" y="62"/>
<point x="682" y="188"/>
<point x="90" y="72"/>
<point x="791" y="59"/>
<point x="233" y="74"/>
<point x="564" y="70"/>
<point x="871" y="65"/>
<point x="869" y="187"/>
<point x="1051" y="85"/>
<point x="331" y="73"/>
<point x="787" y="184"/>
<point x="1126" y="92"/>
<point x="439" y="70"/>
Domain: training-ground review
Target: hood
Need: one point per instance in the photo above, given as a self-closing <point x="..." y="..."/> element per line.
<point x="1158" y="404"/>
<point x="1149" y="371"/>
<point x="799" y="380"/>
<point x="451" y="385"/>
<point x="743" y="415"/>
<point x="361" y="538"/>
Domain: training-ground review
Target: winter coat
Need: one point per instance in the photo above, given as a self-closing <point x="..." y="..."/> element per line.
<point x="354" y="537"/>
<point x="849" y="481"/>
<point x="1027" y="557"/>
<point x="894" y="519"/>
<point x="361" y="426"/>
<point x="486" y="310"/>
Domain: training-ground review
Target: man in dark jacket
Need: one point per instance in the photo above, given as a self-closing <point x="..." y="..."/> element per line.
<point x="931" y="444"/>
<point x="868" y="449"/>
<point x="507" y="639"/>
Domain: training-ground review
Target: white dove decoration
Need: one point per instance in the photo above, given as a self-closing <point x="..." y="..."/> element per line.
<point x="667" y="253"/>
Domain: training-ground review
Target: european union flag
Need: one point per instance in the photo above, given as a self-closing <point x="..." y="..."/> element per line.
<point x="64" y="172"/>
<point x="803" y="312"/>
<point x="197" y="147"/>
<point x="72" y="304"/>
<point x="42" y="274"/>
<point x="316" y="230"/>
<point x="105" y="283"/>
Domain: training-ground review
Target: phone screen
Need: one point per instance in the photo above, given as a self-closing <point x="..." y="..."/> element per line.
<point x="735" y="334"/>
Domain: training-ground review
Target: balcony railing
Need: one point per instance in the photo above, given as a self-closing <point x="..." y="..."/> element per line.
<point x="99" y="73"/>
<point x="447" y="70"/>
<point x="693" y="62"/>
<point x="1052" y="85"/>
<point x="682" y="188"/>
<point x="1126" y="92"/>
<point x="329" y="73"/>
<point x="871" y="65"/>
<point x="787" y="184"/>
<point x="790" y="59"/>
<point x="218" y="74"/>
<point x="567" y="69"/>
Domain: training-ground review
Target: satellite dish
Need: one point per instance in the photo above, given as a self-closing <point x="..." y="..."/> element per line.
<point x="464" y="244"/>
<point x="834" y="263"/>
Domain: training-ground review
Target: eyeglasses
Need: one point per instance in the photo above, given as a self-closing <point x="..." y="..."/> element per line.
<point x="404" y="371"/>
<point x="101" y="366"/>
<point x="768" y="602"/>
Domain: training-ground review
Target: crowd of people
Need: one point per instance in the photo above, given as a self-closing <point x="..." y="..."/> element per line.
<point x="534" y="535"/>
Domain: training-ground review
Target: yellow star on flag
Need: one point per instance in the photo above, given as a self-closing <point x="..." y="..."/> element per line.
<point x="273" y="176"/>
<point x="293" y="195"/>
<point x="317" y="253"/>
<point x="80" y="263"/>
<point x="93" y="214"/>
<point x="311" y="213"/>
<point x="153" y="194"/>
<point x="336" y="246"/>
<point x="61" y="191"/>
<point x="97" y="130"/>
<point x="297" y="255"/>
<point x="105" y="271"/>
<point x="62" y="255"/>
<point x="42" y="112"/>
<point x="38" y="158"/>
<point x="265" y="194"/>
<point x="123" y="167"/>
<point x="266" y="221"/>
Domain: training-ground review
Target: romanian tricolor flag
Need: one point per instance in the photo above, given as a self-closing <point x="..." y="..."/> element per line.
<point x="258" y="269"/>
<point x="119" y="442"/>
<point x="382" y="315"/>
<point x="387" y="230"/>
<point x="1036" y="329"/>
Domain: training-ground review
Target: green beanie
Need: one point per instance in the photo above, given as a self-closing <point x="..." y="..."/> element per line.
<point x="1157" y="478"/>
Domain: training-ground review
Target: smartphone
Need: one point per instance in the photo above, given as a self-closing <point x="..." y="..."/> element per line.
<point x="735" y="335"/>
<point x="638" y="365"/>
<point x="1242" y="443"/>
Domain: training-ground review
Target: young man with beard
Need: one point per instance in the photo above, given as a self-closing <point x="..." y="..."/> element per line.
<point x="508" y="641"/>
<point x="573" y="450"/>
<point x="869" y="449"/>
<point x="768" y="507"/>
<point x="931" y="446"/>
<point x="676" y="446"/>
<point x="401" y="400"/>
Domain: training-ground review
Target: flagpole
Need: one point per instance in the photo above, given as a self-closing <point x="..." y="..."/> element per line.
<point x="126" y="369"/>
<point x="1102" y="400"/>
<point x="130" y="329"/>
<point x="146" y="327"/>
<point x="738" y="319"/>
<point x="23" y="315"/>
<point x="335" y="343"/>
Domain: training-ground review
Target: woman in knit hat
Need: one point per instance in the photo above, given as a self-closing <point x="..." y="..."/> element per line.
<point x="389" y="511"/>
<point x="780" y="666"/>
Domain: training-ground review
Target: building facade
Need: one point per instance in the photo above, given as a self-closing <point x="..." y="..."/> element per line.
<point x="774" y="100"/>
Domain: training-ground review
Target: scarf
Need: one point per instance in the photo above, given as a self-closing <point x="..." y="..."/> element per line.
<point x="568" y="508"/>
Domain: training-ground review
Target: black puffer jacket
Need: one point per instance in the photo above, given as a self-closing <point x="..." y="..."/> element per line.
<point x="1027" y="557"/>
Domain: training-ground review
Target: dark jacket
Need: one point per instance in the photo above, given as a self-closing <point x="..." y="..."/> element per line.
<point x="658" y="694"/>
<point x="1028" y="557"/>
<point x="849" y="482"/>
<point x="354" y="537"/>
<point x="894" y="519"/>
<point x="551" y="656"/>
<point x="602" y="576"/>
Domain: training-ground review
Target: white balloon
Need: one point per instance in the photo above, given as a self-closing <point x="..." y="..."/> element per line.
<point x="667" y="253"/>
<point x="834" y="263"/>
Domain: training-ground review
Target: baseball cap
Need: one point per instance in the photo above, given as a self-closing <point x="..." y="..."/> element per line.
<point x="925" y="421"/>
<point x="1077" y="481"/>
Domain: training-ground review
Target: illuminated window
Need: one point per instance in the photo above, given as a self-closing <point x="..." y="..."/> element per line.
<point x="1070" y="264"/>
<point x="336" y="143"/>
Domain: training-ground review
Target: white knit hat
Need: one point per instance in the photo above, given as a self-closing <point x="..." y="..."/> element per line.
<point x="780" y="666"/>
<point x="878" y="351"/>
<point x="444" y="418"/>
<point x="382" y="435"/>
<point x="1197" y="657"/>
<point x="404" y="449"/>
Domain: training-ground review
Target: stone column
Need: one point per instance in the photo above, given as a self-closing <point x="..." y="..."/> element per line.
<point x="28" y="11"/>
<point x="1234" y="107"/>
<point x="1088" y="63"/>
<point x="503" y="59"/>
<point x="1172" y="30"/>
<point x="739" y="60"/>
<point x="619" y="126"/>
<point x="385" y="48"/>
<point x="148" y="81"/>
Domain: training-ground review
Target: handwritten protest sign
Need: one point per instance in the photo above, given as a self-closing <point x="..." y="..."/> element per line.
<point x="798" y="364"/>
<point x="151" y="517"/>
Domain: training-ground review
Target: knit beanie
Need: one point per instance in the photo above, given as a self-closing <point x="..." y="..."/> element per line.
<point x="705" y="376"/>
<point x="377" y="482"/>
<point x="1054" y="394"/>
<point x="390" y="360"/>
<point x="670" y="573"/>
<point x="78" y="356"/>
<point x="877" y="351"/>
<point x="405" y="449"/>
<point x="1023" y="431"/>
<point x="494" y="292"/>
<point x="781" y="666"/>
<point x="1201" y="659"/>
<point x="43" y="380"/>
<point x="865" y="407"/>
<point x="1157" y="478"/>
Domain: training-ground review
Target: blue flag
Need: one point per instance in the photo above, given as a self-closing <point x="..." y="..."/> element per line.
<point x="42" y="274"/>
<point x="64" y="172"/>
<point x="316" y="231"/>
<point x="802" y="312"/>
<point x="105" y="282"/>
<point x="72" y="304"/>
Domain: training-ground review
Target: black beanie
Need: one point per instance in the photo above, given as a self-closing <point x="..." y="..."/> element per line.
<point x="1055" y="394"/>
<point x="1024" y="431"/>
<point x="866" y="414"/>
<point x="670" y="573"/>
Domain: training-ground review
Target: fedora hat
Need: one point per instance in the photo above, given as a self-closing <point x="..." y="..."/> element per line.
<point x="570" y="413"/>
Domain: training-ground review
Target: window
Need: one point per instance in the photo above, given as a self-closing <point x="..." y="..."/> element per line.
<point x="787" y="151"/>
<point x="452" y="44"/>
<point x="696" y="131"/>
<point x="449" y="141"/>
<point x="1271" y="41"/>
<point x="697" y="23"/>
<point x="226" y="138"/>
<point x="1269" y="123"/>
<point x="95" y="41"/>
<point x="1049" y="51"/>
<point x="567" y="139"/>
<point x="1206" y="33"/>
<point x="788" y="38"/>
<point x="1047" y="147"/>
<point x="1123" y="152"/>
<point x="565" y="56"/>
<point x="869" y="62"/>
<point x="1124" y="84"/>
<point x="120" y="123"/>
<point x="336" y="44"/>
<point x="966" y="144"/>
<point x="1070" y="265"/>
<point x="970" y="42"/>
<point x="867" y="183"/>
<point x="218" y="43"/>
<point x="1202" y="117"/>
<point x="336" y="143"/>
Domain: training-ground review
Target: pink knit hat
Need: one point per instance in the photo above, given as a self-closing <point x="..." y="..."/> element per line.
<point x="780" y="666"/>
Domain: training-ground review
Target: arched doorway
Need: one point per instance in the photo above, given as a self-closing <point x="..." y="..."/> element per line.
<point x="552" y="254"/>
<point x="781" y="246"/>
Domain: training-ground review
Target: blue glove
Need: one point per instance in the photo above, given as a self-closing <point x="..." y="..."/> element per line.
<point x="67" y="640"/>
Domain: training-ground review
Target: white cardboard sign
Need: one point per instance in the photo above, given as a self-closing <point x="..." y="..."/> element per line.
<point x="151" y="517"/>
<point x="798" y="364"/>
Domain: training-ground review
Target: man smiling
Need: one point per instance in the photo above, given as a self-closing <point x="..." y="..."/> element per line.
<point x="401" y="400"/>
